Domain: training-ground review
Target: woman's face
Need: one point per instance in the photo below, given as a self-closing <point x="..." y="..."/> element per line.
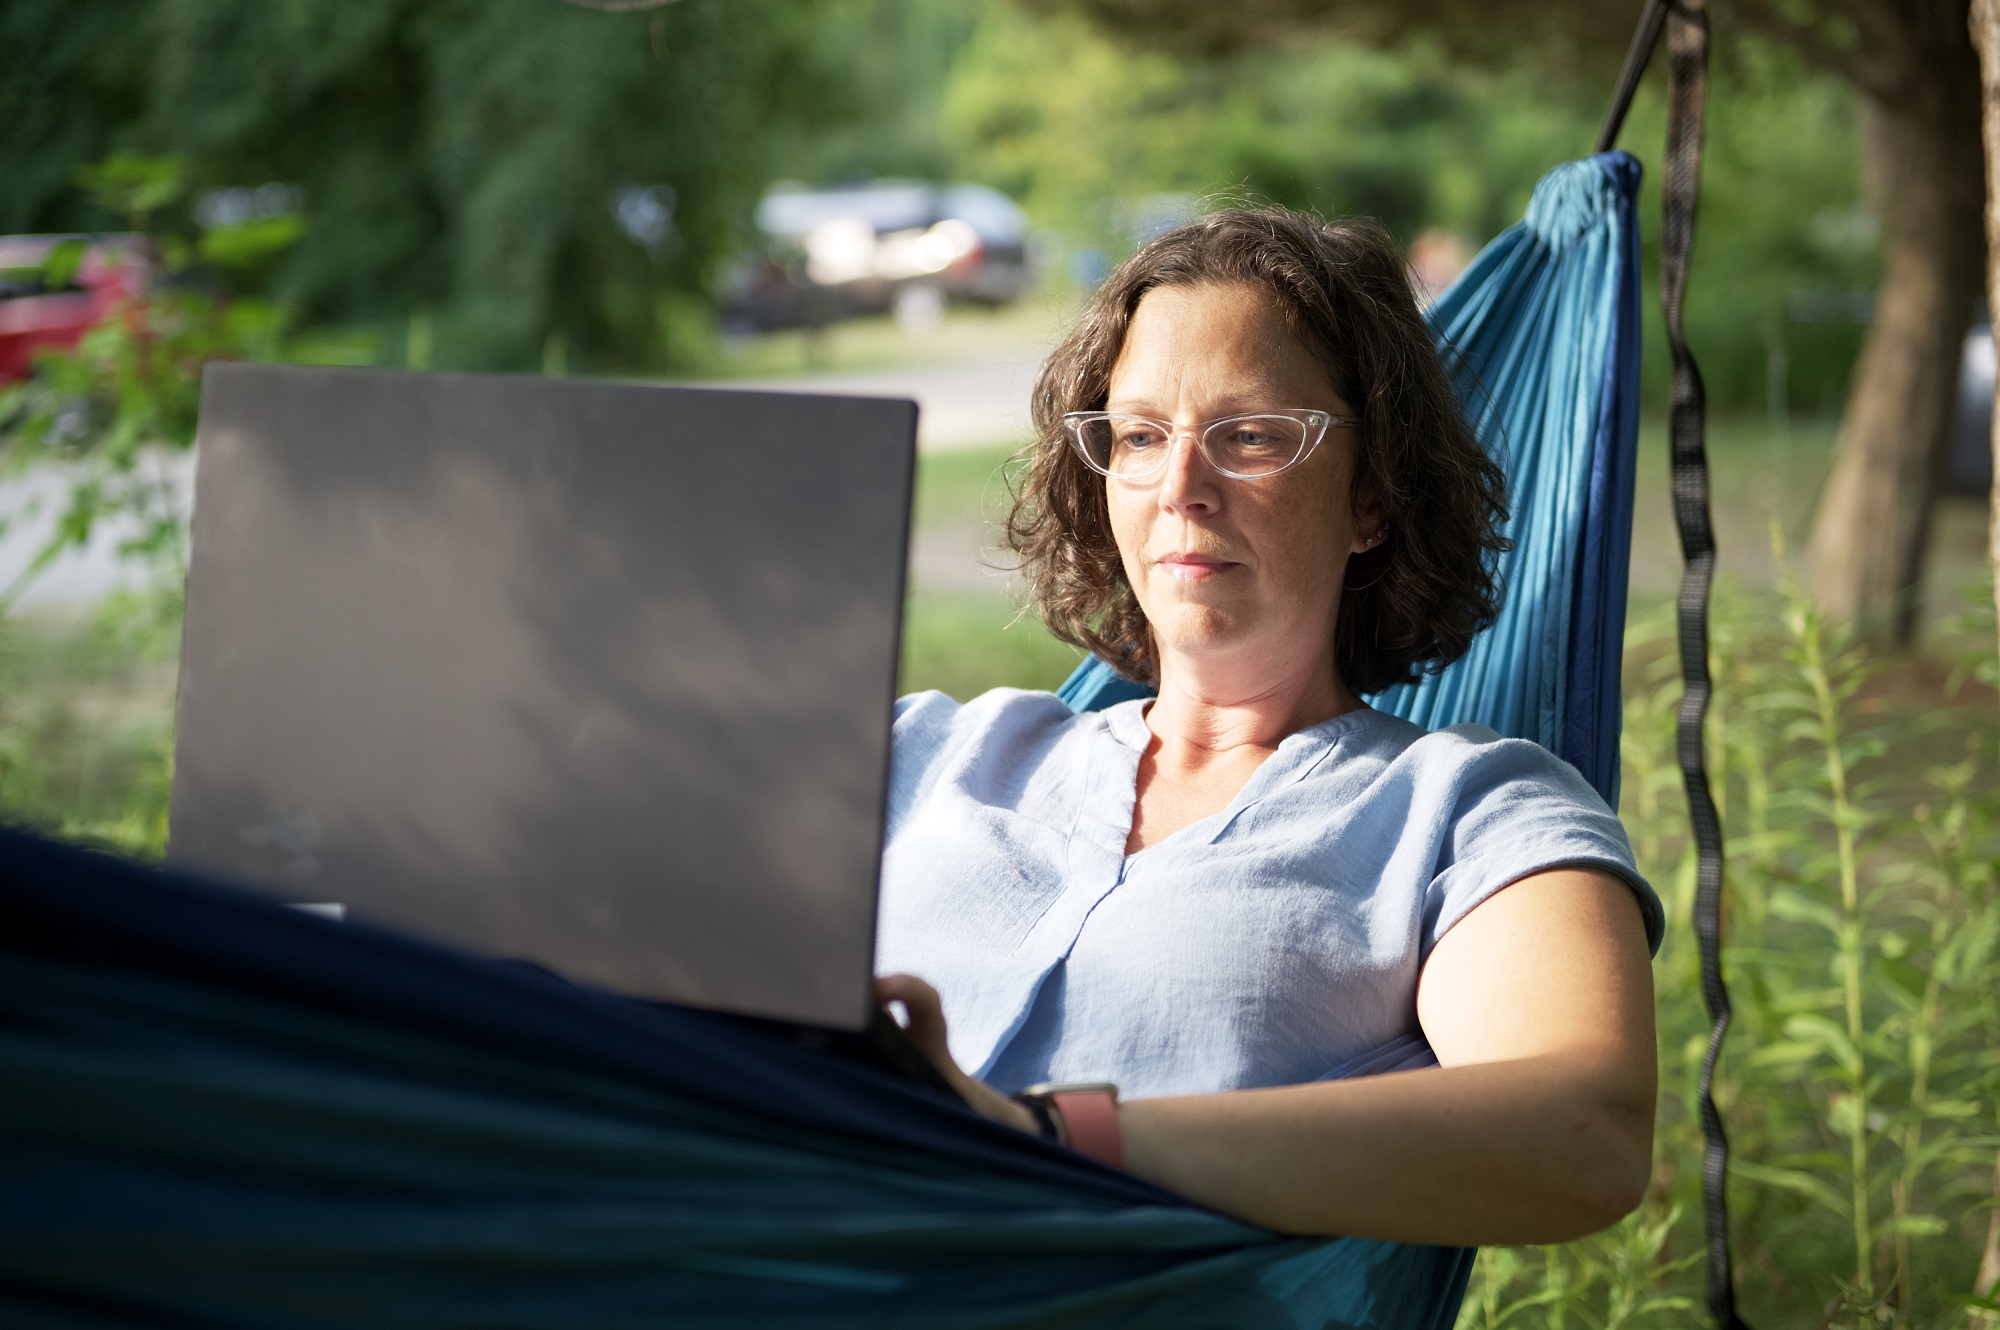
<point x="1235" y="570"/>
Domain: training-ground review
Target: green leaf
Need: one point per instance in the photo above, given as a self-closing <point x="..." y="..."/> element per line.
<point x="1813" y="1159"/>
<point x="1799" y="908"/>
<point x="1954" y="1109"/>
<point x="59" y="265"/>
<point x="1793" y="1180"/>
<point x="1903" y="974"/>
<point x="133" y="184"/>
<point x="247" y="243"/>
<point x="1782" y="1053"/>
<point x="1831" y="1037"/>
<point x="1667" y="1304"/>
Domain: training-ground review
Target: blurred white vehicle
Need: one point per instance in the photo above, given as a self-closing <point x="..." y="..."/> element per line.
<point x="898" y="245"/>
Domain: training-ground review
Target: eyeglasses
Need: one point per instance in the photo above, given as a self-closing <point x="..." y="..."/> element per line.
<point x="1247" y="447"/>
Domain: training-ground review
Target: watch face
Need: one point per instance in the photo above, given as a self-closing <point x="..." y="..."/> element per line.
<point x="1045" y="1117"/>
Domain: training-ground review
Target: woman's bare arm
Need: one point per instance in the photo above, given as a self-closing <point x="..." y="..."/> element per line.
<point x="1536" y="1127"/>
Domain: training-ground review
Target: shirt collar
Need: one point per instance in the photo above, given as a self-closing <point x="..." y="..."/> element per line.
<point x="1126" y="722"/>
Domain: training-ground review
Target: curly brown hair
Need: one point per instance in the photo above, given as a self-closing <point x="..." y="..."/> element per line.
<point x="1413" y="603"/>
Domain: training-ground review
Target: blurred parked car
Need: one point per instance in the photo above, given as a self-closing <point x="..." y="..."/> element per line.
<point x="897" y="245"/>
<point x="1969" y="463"/>
<point x="53" y="288"/>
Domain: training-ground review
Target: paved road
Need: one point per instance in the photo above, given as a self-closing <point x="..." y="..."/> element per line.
<point x="968" y="405"/>
<point x="29" y="507"/>
<point x="972" y="405"/>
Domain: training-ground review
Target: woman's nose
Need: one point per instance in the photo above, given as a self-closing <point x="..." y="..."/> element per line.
<point x="1188" y="483"/>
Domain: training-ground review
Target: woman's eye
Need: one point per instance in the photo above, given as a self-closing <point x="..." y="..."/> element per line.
<point x="1139" y="437"/>
<point x="1251" y="439"/>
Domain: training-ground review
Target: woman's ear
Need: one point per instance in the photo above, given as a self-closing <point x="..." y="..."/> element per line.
<point x="1371" y="525"/>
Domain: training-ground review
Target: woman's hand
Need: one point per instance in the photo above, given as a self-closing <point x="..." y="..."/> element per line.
<point x="926" y="1029"/>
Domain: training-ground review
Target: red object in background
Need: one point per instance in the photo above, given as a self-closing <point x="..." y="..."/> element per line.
<point x="112" y="270"/>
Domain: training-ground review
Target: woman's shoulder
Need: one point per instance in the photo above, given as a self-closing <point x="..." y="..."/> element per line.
<point x="995" y="709"/>
<point x="1466" y="756"/>
<point x="932" y="725"/>
<point x="1500" y="809"/>
<point x="997" y="748"/>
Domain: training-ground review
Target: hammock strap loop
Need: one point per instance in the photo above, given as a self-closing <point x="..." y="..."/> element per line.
<point x="1680" y="190"/>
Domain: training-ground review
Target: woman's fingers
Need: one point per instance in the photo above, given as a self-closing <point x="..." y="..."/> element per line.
<point x="926" y="1015"/>
<point x="927" y="1031"/>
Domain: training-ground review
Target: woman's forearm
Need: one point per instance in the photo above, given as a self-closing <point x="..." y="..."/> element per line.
<point x="1539" y="1128"/>
<point x="1534" y="1150"/>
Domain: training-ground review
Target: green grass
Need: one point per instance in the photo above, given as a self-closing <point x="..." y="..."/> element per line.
<point x="86" y="723"/>
<point x="964" y="486"/>
<point x="964" y="641"/>
<point x="964" y="644"/>
<point x="875" y="342"/>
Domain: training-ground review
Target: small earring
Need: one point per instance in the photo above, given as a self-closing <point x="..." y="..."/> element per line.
<point x="1373" y="539"/>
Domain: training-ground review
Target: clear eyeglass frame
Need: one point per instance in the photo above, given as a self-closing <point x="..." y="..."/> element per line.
<point x="1314" y="425"/>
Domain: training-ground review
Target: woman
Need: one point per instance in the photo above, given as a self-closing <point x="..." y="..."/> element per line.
<point x="1253" y="490"/>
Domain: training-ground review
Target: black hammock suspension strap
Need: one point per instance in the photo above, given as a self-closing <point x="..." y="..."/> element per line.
<point x="1636" y="56"/>
<point x="1686" y="26"/>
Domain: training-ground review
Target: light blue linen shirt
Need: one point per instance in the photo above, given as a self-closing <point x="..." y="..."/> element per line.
<point x="1275" y="942"/>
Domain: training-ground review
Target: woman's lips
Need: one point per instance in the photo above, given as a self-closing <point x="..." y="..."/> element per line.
<point x="1193" y="567"/>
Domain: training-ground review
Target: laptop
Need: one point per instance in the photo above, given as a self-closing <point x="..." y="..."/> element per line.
<point x="594" y="675"/>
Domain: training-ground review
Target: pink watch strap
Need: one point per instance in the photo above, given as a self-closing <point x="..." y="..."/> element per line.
<point x="1090" y="1117"/>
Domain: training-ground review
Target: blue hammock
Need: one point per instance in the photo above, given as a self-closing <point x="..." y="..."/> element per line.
<point x="216" y="1111"/>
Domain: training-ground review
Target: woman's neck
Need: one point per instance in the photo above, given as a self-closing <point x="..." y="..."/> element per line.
<point x="1219" y="709"/>
<point x="1211" y="731"/>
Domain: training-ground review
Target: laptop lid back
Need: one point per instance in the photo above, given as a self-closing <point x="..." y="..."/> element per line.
<point x="595" y="675"/>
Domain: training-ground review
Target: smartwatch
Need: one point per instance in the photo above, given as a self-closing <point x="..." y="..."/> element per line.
<point x="1082" y="1116"/>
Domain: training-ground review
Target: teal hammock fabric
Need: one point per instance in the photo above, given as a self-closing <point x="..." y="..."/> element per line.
<point x="1541" y="334"/>
<point x="218" y="1112"/>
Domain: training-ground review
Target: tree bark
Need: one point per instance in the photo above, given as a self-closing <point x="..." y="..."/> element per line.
<point x="1986" y="40"/>
<point x="1987" y="1282"/>
<point x="1868" y="543"/>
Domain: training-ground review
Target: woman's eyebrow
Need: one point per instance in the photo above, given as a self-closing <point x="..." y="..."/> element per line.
<point x="1237" y="403"/>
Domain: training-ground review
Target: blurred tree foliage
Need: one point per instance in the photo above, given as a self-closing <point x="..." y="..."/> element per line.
<point x="880" y="117"/>
<point x="1076" y="122"/>
<point x="72" y="80"/>
<point x="1085" y="127"/>
<point x="1788" y="248"/>
<point x="460" y="161"/>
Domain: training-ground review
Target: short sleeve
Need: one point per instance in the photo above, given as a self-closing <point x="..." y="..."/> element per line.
<point x="1515" y="810"/>
<point x="921" y="734"/>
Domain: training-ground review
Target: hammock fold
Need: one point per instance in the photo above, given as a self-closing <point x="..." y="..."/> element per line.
<point x="216" y="1111"/>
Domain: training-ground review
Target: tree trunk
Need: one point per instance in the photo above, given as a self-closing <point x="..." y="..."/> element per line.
<point x="1986" y="40"/>
<point x="1867" y="549"/>
<point x="1987" y="1282"/>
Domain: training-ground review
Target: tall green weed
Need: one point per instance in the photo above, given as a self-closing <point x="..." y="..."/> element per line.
<point x="1861" y="805"/>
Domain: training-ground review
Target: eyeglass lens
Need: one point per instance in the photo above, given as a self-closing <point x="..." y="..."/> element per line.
<point x="1249" y="446"/>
